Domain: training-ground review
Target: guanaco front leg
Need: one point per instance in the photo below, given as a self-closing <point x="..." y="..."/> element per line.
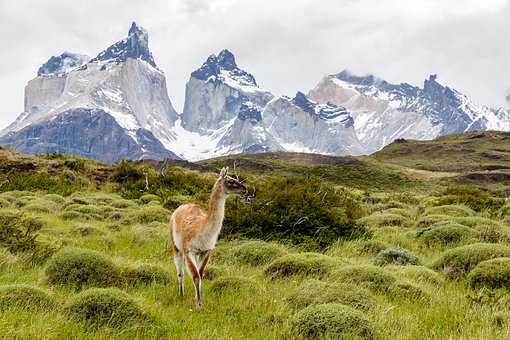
<point x="203" y="263"/>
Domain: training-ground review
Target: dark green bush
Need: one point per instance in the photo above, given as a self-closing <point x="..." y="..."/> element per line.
<point x="105" y="307"/>
<point x="396" y="256"/>
<point x="460" y="261"/>
<point x="233" y="284"/>
<point x="450" y="210"/>
<point x="254" y="253"/>
<point x="492" y="274"/>
<point x="302" y="210"/>
<point x="471" y="197"/>
<point x="428" y="220"/>
<point x="212" y="272"/>
<point x="370" y="276"/>
<point x="24" y="296"/>
<point x="332" y="321"/>
<point x="312" y="264"/>
<point x="314" y="292"/>
<point x="370" y="247"/>
<point x="408" y="291"/>
<point x="145" y="274"/>
<point x="445" y="234"/>
<point x="80" y="267"/>
<point x="18" y="231"/>
<point x="418" y="274"/>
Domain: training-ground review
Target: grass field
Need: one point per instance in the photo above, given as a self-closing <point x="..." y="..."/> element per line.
<point x="84" y="251"/>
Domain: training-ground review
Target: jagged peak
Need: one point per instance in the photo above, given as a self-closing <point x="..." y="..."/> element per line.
<point x="323" y="111"/>
<point x="215" y="65"/>
<point x="62" y="63"/>
<point x="366" y="80"/>
<point x="135" y="46"/>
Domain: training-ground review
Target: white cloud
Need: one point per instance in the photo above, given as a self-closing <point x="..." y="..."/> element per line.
<point x="288" y="45"/>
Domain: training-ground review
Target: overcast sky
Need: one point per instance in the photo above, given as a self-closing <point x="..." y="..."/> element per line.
<point x="288" y="45"/>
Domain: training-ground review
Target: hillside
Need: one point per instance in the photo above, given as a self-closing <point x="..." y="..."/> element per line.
<point x="404" y="244"/>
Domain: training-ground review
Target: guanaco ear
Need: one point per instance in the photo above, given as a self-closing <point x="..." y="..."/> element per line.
<point x="223" y="172"/>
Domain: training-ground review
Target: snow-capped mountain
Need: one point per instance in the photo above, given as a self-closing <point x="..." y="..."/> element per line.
<point x="122" y="82"/>
<point x="383" y="111"/>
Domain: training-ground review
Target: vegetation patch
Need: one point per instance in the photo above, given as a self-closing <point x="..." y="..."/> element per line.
<point x="450" y="210"/>
<point x="145" y="274"/>
<point x="332" y="321"/>
<point x="373" y="277"/>
<point x="418" y="274"/>
<point x="398" y="256"/>
<point x="384" y="220"/>
<point x="445" y="234"/>
<point x="254" y="253"/>
<point x="18" y="231"/>
<point x="105" y="307"/>
<point x="233" y="284"/>
<point x="407" y="290"/>
<point x="370" y="247"/>
<point x="314" y="292"/>
<point x="307" y="264"/>
<point x="461" y="260"/>
<point x="428" y="220"/>
<point x="492" y="274"/>
<point x="79" y="267"/>
<point x="24" y="296"/>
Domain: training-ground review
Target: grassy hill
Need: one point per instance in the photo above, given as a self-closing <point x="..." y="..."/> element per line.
<point x="409" y="243"/>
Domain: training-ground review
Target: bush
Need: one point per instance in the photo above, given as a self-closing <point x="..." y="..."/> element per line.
<point x="314" y="292"/>
<point x="450" y="210"/>
<point x="492" y="274"/>
<point x="370" y="247"/>
<point x="79" y="267"/>
<point x="396" y="256"/>
<point x="254" y="253"/>
<point x="445" y="234"/>
<point x="57" y="199"/>
<point x="212" y="272"/>
<point x="473" y="198"/>
<point x="18" y="232"/>
<point x="370" y="276"/>
<point x="408" y="291"/>
<point x="493" y="234"/>
<point x="41" y="206"/>
<point x="150" y="213"/>
<point x="301" y="210"/>
<point x="88" y="209"/>
<point x="418" y="274"/>
<point x="147" y="198"/>
<point x="428" y="220"/>
<point x="475" y="221"/>
<point x="24" y="296"/>
<point x="145" y="274"/>
<point x="233" y="283"/>
<point x="459" y="261"/>
<point x="105" y="307"/>
<point x="384" y="220"/>
<point x="312" y="264"/>
<point x="333" y="321"/>
<point x="6" y="259"/>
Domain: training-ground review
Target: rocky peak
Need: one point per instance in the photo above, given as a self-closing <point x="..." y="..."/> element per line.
<point x="321" y="111"/>
<point x="135" y="46"/>
<point x="221" y="66"/>
<point x="62" y="64"/>
<point x="439" y="93"/>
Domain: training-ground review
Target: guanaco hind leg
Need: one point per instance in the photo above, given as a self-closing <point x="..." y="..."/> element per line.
<point x="195" y="275"/>
<point x="179" y="263"/>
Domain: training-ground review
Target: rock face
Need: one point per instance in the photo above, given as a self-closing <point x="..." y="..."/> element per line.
<point x="383" y="111"/>
<point x="122" y="81"/>
<point x="89" y="133"/>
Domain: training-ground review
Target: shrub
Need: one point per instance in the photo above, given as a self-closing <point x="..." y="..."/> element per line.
<point x="450" y="210"/>
<point x="24" y="296"/>
<point x="492" y="274"/>
<point x="367" y="275"/>
<point x="370" y="247"/>
<point x="301" y="210"/>
<point x="397" y="256"/>
<point x="105" y="307"/>
<point x="147" y="198"/>
<point x="312" y="264"/>
<point x="473" y="198"/>
<point x="445" y="234"/>
<point x="55" y="198"/>
<point x="384" y="220"/>
<point x="79" y="267"/>
<point x="87" y="230"/>
<point x="6" y="259"/>
<point x="408" y="291"/>
<point x="123" y="204"/>
<point x="145" y="274"/>
<point x="41" y="206"/>
<point x="254" y="253"/>
<point x="475" y="221"/>
<point x="18" y="232"/>
<point x="88" y="209"/>
<point x="406" y="213"/>
<point x="459" y="261"/>
<point x="428" y="220"/>
<point x="418" y="274"/>
<point x="333" y="321"/>
<point x="233" y="283"/>
<point x="212" y="272"/>
<point x="150" y="213"/>
<point x="493" y="234"/>
<point x="314" y="292"/>
<point x="73" y="215"/>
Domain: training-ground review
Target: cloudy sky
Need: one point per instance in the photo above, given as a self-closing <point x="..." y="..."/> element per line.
<point x="287" y="44"/>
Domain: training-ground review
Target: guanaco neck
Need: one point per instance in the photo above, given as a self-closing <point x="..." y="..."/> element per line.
<point x="216" y="210"/>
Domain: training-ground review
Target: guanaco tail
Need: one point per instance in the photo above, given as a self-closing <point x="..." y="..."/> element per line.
<point x="195" y="231"/>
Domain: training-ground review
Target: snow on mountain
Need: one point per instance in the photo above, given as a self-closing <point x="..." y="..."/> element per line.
<point x="383" y="111"/>
<point x="122" y="81"/>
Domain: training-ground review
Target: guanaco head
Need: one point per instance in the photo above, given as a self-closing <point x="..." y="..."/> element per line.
<point x="230" y="184"/>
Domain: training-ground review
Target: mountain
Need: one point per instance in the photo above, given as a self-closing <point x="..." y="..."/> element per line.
<point x="384" y="112"/>
<point x="122" y="82"/>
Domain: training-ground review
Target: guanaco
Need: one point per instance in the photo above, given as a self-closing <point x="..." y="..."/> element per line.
<point x="195" y="232"/>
